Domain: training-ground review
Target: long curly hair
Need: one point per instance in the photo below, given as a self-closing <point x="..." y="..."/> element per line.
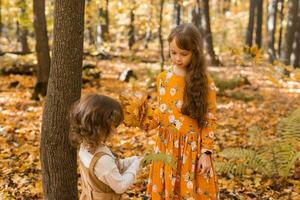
<point x="92" y="120"/>
<point x="195" y="101"/>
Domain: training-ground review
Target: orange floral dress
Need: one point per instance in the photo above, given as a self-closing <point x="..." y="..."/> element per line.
<point x="180" y="136"/>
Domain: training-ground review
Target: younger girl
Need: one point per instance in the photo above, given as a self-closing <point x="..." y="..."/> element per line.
<point x="93" y="121"/>
<point x="187" y="105"/>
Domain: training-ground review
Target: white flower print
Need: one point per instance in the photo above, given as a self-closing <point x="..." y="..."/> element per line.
<point x="154" y="188"/>
<point x="199" y="191"/>
<point x="161" y="173"/>
<point x="189" y="185"/>
<point x="194" y="146"/>
<point x="211" y="134"/>
<point x="172" y="119"/>
<point x="183" y="159"/>
<point x="162" y="90"/>
<point x="173" y="180"/>
<point x="173" y="91"/>
<point x="191" y="198"/>
<point x="178" y="124"/>
<point x="176" y="144"/>
<point x="163" y="107"/>
<point x="156" y="149"/>
<point x="169" y="75"/>
<point x="178" y="104"/>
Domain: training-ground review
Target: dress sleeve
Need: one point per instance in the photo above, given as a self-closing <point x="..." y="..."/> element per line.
<point x="207" y="133"/>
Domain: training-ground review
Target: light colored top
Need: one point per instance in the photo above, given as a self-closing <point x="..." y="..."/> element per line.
<point x="107" y="171"/>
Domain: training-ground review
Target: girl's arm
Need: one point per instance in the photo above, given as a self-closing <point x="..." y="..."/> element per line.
<point x="207" y="134"/>
<point x="107" y="171"/>
<point x="125" y="163"/>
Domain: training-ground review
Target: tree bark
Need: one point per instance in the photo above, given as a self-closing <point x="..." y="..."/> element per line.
<point x="148" y="33"/>
<point x="58" y="158"/>
<point x="290" y="32"/>
<point x="296" y="52"/>
<point x="131" y="35"/>
<point x="250" y="28"/>
<point x="42" y="48"/>
<point x="103" y="14"/>
<point x="23" y="27"/>
<point x="196" y="16"/>
<point x="176" y="13"/>
<point x="0" y="19"/>
<point x="259" y="23"/>
<point x="271" y="26"/>
<point x="160" y="37"/>
<point x="208" y="40"/>
<point x="281" y="3"/>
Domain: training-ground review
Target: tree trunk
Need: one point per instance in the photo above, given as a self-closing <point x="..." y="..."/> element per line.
<point x="23" y="27"/>
<point x="160" y="37"/>
<point x="208" y="40"/>
<point x="103" y="14"/>
<point x="131" y="36"/>
<point x="271" y="26"/>
<point x="281" y="3"/>
<point x="196" y="16"/>
<point x="176" y="13"/>
<point x="0" y="19"/>
<point x="259" y="23"/>
<point x="250" y="28"/>
<point x="296" y="52"/>
<point x="42" y="48"/>
<point x="290" y="32"/>
<point x="58" y="158"/>
<point x="148" y="33"/>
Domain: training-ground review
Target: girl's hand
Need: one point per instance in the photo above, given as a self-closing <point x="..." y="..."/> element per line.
<point x="204" y="164"/>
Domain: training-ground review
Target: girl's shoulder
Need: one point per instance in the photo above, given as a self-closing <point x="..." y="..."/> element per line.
<point x="166" y="74"/>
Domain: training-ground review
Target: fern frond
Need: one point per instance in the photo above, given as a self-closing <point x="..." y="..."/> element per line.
<point x="289" y="128"/>
<point x="167" y="159"/>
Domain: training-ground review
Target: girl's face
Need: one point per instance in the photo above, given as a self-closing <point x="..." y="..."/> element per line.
<point x="180" y="57"/>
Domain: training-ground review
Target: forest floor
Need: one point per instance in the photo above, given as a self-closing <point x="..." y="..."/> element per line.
<point x="241" y="123"/>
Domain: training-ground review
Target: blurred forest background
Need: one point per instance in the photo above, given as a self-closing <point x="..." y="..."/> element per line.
<point x="253" y="53"/>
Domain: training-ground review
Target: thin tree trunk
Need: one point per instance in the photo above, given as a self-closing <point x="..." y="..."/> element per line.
<point x="271" y="26"/>
<point x="208" y="34"/>
<point x="42" y="48"/>
<point x="281" y="3"/>
<point x="148" y="33"/>
<point x="160" y="37"/>
<point x="259" y="23"/>
<point x="290" y="32"/>
<point x="131" y="35"/>
<point x="58" y="158"/>
<point x="296" y="52"/>
<point x="250" y="28"/>
<point x="196" y="16"/>
<point x="0" y="19"/>
<point x="176" y="12"/>
<point x="23" y="28"/>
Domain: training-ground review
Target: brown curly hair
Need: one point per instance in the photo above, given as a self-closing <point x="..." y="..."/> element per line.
<point x="195" y="101"/>
<point x="92" y="120"/>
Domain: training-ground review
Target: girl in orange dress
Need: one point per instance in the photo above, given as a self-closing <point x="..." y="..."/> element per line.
<point x="187" y="105"/>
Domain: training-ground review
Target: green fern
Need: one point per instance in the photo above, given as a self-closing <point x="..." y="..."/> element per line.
<point x="167" y="159"/>
<point x="289" y="128"/>
<point x="243" y="159"/>
<point x="276" y="159"/>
